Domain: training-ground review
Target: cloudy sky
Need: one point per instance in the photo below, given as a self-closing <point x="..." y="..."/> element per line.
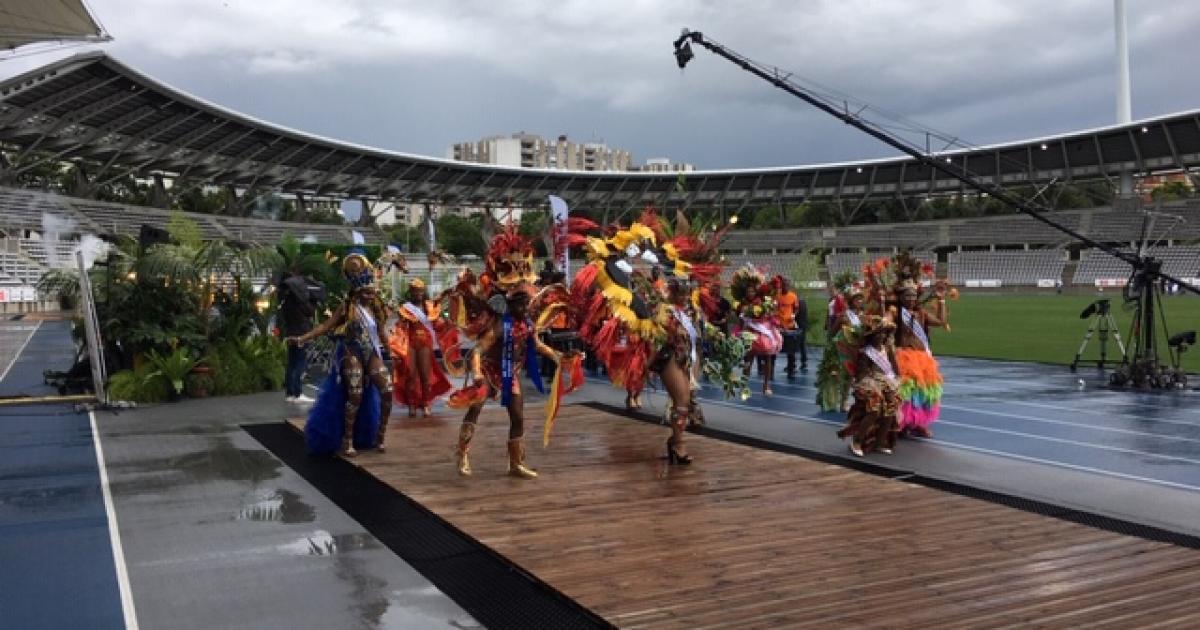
<point x="417" y="76"/>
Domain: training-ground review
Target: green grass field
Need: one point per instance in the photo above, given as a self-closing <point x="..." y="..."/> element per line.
<point x="1043" y="328"/>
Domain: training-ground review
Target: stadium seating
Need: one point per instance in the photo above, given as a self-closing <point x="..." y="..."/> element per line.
<point x="1095" y="265"/>
<point x="1008" y="268"/>
<point x="23" y="210"/>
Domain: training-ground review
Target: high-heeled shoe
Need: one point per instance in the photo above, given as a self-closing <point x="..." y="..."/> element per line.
<point x="675" y="458"/>
<point x="768" y="392"/>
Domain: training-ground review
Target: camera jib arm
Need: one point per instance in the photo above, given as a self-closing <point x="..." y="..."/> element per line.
<point x="780" y="79"/>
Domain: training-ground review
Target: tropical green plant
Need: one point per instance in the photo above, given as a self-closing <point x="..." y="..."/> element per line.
<point x="138" y="385"/>
<point x="172" y="368"/>
<point x="266" y="356"/>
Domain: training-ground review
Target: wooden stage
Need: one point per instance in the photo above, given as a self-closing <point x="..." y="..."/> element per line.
<point x="751" y="538"/>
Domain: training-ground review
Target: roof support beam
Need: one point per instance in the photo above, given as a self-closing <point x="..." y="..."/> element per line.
<point x="56" y="99"/>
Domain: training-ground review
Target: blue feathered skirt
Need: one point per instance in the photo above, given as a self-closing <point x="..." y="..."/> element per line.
<point x="327" y="418"/>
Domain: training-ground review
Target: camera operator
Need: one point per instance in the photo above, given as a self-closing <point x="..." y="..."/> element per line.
<point x="299" y="298"/>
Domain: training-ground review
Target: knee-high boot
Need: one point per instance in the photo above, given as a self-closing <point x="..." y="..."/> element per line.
<point x="465" y="433"/>
<point x="516" y="460"/>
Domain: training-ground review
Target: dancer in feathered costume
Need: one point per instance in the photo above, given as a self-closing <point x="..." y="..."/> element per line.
<point x="871" y="421"/>
<point x="352" y="408"/>
<point x="653" y="313"/>
<point x="920" y="377"/>
<point x="506" y="343"/>
<point x="836" y="372"/>
<point x="755" y="304"/>
<point x="415" y="340"/>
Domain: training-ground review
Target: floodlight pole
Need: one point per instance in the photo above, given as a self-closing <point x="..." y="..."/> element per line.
<point x="683" y="54"/>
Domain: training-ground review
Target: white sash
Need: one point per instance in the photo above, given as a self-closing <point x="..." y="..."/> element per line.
<point x="686" y="321"/>
<point x="880" y="359"/>
<point x="854" y="320"/>
<point x="419" y="313"/>
<point x="372" y="328"/>
<point x="915" y="326"/>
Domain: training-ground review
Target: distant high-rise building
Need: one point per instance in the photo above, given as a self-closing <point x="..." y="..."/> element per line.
<point x="528" y="150"/>
<point x="665" y="165"/>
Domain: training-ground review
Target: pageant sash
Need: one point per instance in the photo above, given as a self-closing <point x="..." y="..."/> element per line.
<point x="880" y="359"/>
<point x="684" y="320"/>
<point x="372" y="328"/>
<point x="506" y="362"/>
<point x="854" y="320"/>
<point x="911" y="322"/>
<point x="419" y="313"/>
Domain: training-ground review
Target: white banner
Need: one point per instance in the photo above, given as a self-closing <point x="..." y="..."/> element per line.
<point x="18" y="294"/>
<point x="559" y="211"/>
<point x="1045" y="284"/>
<point x="1111" y="282"/>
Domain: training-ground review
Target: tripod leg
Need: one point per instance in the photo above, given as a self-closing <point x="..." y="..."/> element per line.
<point x="1117" y="335"/>
<point x="1083" y="346"/>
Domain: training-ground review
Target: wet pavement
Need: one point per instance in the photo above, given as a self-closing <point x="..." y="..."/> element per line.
<point x="1041" y="413"/>
<point x="215" y="532"/>
<point x="218" y="533"/>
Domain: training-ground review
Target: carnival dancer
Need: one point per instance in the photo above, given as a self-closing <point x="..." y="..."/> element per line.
<point x="674" y="365"/>
<point x="355" y="401"/>
<point x="655" y="319"/>
<point x="871" y="421"/>
<point x="506" y="344"/>
<point x="415" y="340"/>
<point x="920" y="377"/>
<point x="836" y="371"/>
<point x="755" y="305"/>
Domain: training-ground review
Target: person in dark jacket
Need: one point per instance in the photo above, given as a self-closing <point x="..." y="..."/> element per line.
<point x="298" y="300"/>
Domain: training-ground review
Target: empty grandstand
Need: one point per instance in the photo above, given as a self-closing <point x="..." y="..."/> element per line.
<point x="1099" y="269"/>
<point x="1174" y="222"/>
<point x="1007" y="268"/>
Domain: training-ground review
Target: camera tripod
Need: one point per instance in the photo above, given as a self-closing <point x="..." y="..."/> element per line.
<point x="1103" y="323"/>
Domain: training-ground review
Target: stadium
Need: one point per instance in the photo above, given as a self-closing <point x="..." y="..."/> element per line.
<point x="1048" y="496"/>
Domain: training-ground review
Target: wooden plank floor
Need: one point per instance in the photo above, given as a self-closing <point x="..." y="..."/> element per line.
<point x="748" y="538"/>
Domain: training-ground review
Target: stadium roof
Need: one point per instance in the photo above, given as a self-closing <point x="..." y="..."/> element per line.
<point x="34" y="21"/>
<point x="94" y="107"/>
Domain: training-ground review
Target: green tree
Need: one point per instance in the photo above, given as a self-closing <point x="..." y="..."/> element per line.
<point x="459" y="236"/>
<point x="535" y="225"/>
<point x="1171" y="190"/>
<point x="197" y="199"/>
<point x="407" y="237"/>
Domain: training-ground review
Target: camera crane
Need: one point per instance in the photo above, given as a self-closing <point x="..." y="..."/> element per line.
<point x="1140" y="366"/>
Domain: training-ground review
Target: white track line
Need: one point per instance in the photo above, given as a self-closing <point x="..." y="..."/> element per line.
<point x="114" y="534"/>
<point x="1045" y="438"/>
<point x="943" y="442"/>
<point x="1003" y="414"/>
<point x="20" y="351"/>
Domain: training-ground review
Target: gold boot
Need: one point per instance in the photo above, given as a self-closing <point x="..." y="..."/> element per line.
<point x="516" y="460"/>
<point x="465" y="433"/>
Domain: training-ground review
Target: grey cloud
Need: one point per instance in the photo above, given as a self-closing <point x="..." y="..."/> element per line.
<point x="417" y="76"/>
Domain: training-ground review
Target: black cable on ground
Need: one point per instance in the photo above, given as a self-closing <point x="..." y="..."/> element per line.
<point x="492" y="589"/>
<point x="1090" y="519"/>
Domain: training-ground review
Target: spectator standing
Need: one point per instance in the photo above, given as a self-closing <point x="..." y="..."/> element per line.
<point x="793" y="320"/>
<point x="298" y="299"/>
